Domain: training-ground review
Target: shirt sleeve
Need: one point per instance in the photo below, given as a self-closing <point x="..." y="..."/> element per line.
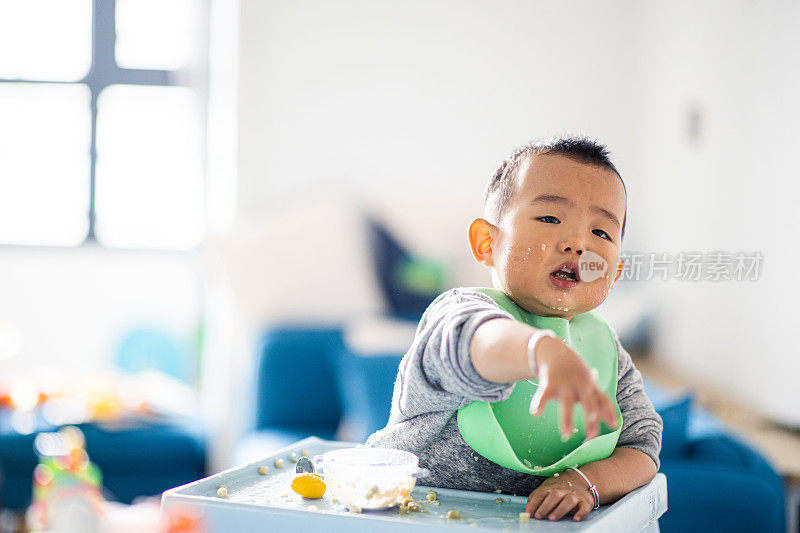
<point x="437" y="372"/>
<point x="641" y="426"/>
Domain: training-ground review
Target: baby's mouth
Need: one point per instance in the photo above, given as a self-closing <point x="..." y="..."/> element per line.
<point x="567" y="272"/>
<point x="566" y="275"/>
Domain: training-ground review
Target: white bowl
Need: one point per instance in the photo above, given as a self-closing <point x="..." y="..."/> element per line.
<point x="370" y="478"/>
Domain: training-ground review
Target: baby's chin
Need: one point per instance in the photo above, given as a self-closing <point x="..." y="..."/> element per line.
<point x="566" y="308"/>
<point x="547" y="308"/>
<point x="550" y="301"/>
<point x="560" y="312"/>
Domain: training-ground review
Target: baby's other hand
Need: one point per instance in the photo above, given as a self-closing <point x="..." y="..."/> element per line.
<point x="563" y="376"/>
<point x="560" y="495"/>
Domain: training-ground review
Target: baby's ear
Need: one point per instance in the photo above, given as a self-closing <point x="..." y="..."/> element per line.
<point x="480" y="241"/>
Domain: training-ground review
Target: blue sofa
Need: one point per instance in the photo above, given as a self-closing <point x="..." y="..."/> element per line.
<point x="296" y="391"/>
<point x="716" y="481"/>
<point x="309" y="382"/>
<point x="141" y="460"/>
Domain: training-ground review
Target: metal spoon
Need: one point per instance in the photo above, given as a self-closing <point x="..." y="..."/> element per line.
<point x="304" y="464"/>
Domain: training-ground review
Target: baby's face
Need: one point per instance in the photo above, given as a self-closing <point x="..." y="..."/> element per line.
<point x="563" y="211"/>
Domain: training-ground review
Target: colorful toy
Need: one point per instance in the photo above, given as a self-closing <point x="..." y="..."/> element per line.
<point x="63" y="481"/>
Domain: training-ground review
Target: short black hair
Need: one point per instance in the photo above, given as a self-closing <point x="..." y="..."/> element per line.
<point x="579" y="148"/>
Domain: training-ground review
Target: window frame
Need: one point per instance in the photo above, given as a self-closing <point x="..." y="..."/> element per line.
<point x="103" y="72"/>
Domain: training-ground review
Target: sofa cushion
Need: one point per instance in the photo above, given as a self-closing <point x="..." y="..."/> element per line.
<point x="296" y="383"/>
<point x="157" y="456"/>
<point x="675" y="415"/>
<point x="409" y="283"/>
<point x="366" y="384"/>
<point x="712" y="496"/>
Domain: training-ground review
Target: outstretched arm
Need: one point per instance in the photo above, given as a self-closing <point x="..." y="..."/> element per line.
<point x="499" y="354"/>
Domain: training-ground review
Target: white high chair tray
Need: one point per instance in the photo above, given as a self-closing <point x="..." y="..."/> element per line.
<point x="266" y="503"/>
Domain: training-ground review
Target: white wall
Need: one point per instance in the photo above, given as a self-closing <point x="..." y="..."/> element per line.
<point x="734" y="189"/>
<point x="385" y="99"/>
<point x="71" y="306"/>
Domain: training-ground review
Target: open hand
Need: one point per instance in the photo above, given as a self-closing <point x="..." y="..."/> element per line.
<point x="563" y="376"/>
<point x="559" y="496"/>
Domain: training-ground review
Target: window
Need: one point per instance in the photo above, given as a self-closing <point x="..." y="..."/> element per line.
<point x="101" y="122"/>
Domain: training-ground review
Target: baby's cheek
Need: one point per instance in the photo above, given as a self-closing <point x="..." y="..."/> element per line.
<point x="519" y="267"/>
<point x="608" y="281"/>
<point x="599" y="289"/>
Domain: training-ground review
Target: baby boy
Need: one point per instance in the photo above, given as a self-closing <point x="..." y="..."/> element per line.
<point x="554" y="211"/>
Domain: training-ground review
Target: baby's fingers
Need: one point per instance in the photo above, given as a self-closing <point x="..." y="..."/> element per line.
<point x="552" y="499"/>
<point x="535" y="500"/>
<point x="609" y="414"/>
<point x="590" y="408"/>
<point x="584" y="508"/>
<point x="567" y="405"/>
<point x="540" y="399"/>
<point x="568" y="504"/>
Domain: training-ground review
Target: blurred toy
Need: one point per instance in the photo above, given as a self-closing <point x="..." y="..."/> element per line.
<point x="67" y="488"/>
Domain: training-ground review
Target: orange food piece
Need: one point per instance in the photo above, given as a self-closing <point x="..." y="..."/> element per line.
<point x="308" y="485"/>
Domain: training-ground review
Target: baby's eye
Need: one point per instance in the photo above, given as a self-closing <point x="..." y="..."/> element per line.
<point x="549" y="217"/>
<point x="598" y="233"/>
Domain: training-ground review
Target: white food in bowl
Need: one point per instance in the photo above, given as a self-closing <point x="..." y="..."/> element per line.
<point x="370" y="478"/>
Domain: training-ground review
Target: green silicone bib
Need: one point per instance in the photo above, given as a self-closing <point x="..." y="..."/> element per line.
<point x="505" y="432"/>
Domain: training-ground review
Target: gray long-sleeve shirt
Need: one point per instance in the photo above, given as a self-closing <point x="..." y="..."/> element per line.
<point x="436" y="378"/>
